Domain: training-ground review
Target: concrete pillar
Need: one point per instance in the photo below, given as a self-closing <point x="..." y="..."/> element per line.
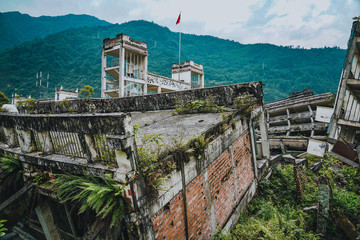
<point x="45" y="142"/>
<point x="145" y="74"/>
<point x="159" y="89"/>
<point x="103" y="73"/>
<point x="253" y="150"/>
<point x="231" y="150"/>
<point x="323" y="209"/>
<point x="202" y="81"/>
<point x="26" y="142"/>
<point x="288" y="121"/>
<point x="88" y="146"/>
<point x="265" y="147"/>
<point x="46" y="220"/>
<point x="121" y="71"/>
<point x="10" y="136"/>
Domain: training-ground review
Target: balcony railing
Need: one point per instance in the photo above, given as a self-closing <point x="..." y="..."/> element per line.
<point x="168" y="83"/>
<point x="94" y="137"/>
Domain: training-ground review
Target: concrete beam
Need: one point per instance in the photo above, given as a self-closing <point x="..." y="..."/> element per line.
<point x="46" y="220"/>
<point x="279" y="105"/>
<point x="348" y="123"/>
<point x="298" y="127"/>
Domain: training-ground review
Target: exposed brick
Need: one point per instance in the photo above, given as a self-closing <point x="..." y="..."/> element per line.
<point x="170" y="224"/>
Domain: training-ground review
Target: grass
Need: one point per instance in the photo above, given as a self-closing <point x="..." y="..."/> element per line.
<point x="275" y="213"/>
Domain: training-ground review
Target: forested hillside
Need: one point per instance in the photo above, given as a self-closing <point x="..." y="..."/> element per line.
<point x="16" y="28"/>
<point x="73" y="59"/>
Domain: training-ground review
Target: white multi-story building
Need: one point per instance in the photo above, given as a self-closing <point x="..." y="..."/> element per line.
<point x="124" y="71"/>
<point x="61" y="94"/>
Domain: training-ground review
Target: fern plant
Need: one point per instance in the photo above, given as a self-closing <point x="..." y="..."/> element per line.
<point x="199" y="146"/>
<point x="11" y="165"/>
<point x="2" y="228"/>
<point x="102" y="195"/>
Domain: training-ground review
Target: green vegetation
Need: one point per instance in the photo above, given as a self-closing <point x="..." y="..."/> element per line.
<point x="154" y="172"/>
<point x="86" y="92"/>
<point x="75" y="60"/>
<point x="102" y="195"/>
<point x="11" y="165"/>
<point x="198" y="106"/>
<point x="16" y="28"/>
<point x="2" y="228"/>
<point x="28" y="105"/>
<point x="199" y="146"/>
<point x="65" y="104"/>
<point x="107" y="155"/>
<point x="244" y="103"/>
<point x="276" y="212"/>
<point x="3" y="99"/>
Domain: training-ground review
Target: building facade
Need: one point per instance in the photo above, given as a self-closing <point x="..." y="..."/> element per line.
<point x="345" y="121"/>
<point x="125" y="73"/>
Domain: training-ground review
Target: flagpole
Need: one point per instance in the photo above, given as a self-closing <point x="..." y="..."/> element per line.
<point x="179" y="50"/>
<point x="179" y="47"/>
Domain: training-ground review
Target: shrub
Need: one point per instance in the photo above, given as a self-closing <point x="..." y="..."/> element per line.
<point x="102" y="195"/>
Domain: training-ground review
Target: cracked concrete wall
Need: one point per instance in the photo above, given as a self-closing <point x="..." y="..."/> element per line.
<point x="223" y="95"/>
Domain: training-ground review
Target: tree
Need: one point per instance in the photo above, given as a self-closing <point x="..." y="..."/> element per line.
<point x="3" y="99"/>
<point x="87" y="92"/>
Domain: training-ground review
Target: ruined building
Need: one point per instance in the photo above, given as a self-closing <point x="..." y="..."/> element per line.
<point x="345" y="121"/>
<point x="124" y="71"/>
<point x="292" y="121"/>
<point x="205" y="174"/>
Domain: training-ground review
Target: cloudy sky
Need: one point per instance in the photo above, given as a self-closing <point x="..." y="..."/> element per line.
<point x="308" y="23"/>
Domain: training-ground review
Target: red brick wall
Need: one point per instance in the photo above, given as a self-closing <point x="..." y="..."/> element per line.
<point x="218" y="192"/>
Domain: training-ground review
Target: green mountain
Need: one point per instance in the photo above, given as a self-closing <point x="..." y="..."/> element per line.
<point x="73" y="59"/>
<point x="16" y="28"/>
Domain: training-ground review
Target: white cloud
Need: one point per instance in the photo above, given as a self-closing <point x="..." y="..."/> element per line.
<point x="307" y="23"/>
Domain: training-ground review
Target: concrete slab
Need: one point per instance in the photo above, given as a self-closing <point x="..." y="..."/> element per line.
<point x="174" y="127"/>
<point x="316" y="147"/>
<point x="323" y="114"/>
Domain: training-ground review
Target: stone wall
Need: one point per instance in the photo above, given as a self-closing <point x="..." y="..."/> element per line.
<point x="223" y="95"/>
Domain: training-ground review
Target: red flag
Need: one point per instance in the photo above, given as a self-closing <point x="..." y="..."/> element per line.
<point x="178" y="20"/>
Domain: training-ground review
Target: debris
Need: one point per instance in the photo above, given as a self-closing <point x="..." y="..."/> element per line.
<point x="310" y="208"/>
<point x="358" y="152"/>
<point x="294" y="120"/>
<point x="300" y="161"/>
<point x="275" y="159"/>
<point x="316" y="147"/>
<point x="260" y="163"/>
<point x="344" y="150"/>
<point x="323" y="210"/>
<point x="323" y="114"/>
<point x="344" y="223"/>
<point x="316" y="167"/>
<point x="288" y="158"/>
<point x="337" y="171"/>
<point x="262" y="167"/>
<point x="345" y="160"/>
